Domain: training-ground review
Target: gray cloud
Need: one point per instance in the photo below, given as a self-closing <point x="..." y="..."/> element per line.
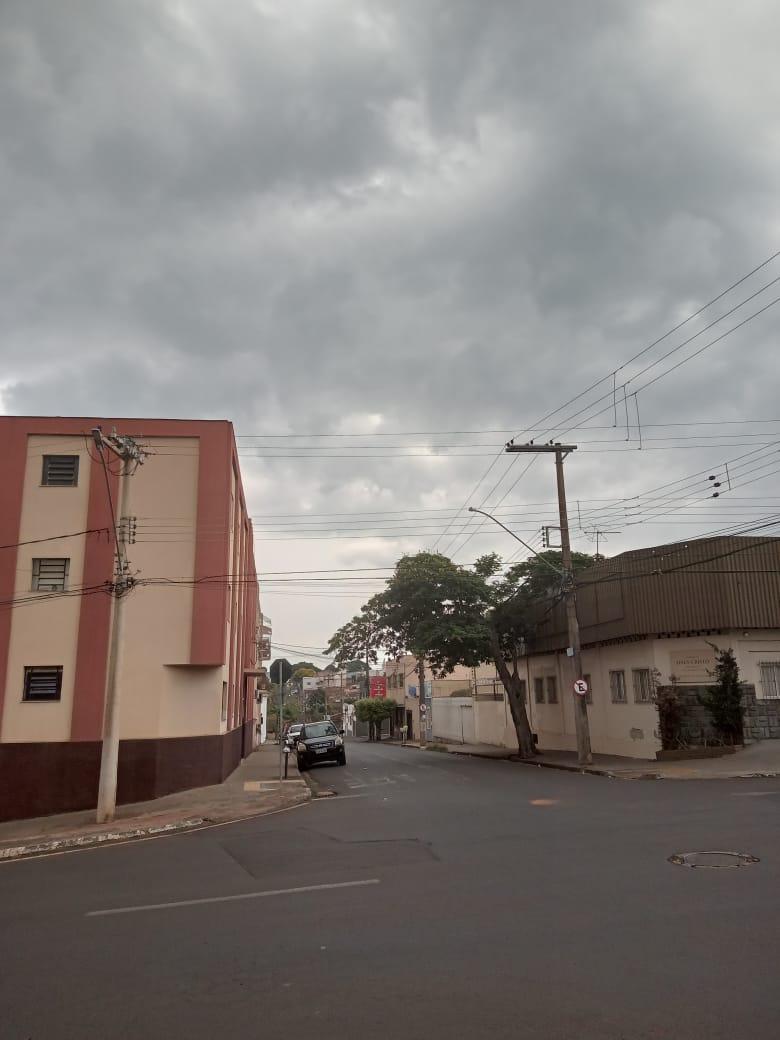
<point x="447" y="214"/>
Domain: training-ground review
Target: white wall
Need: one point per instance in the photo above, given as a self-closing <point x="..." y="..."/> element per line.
<point x="494" y="725"/>
<point x="453" y="720"/>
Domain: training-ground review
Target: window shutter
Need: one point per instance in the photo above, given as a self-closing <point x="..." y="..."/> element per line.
<point x="42" y="683"/>
<point x="60" y="470"/>
<point x="50" y="575"/>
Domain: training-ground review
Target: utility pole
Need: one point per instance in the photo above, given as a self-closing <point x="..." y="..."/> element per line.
<point x="581" y="725"/>
<point x="131" y="456"/>
<point x="280" y="724"/>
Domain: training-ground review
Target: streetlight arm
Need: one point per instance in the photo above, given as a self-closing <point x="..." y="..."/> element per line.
<point x="544" y="559"/>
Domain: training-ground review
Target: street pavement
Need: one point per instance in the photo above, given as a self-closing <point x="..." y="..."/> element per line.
<point x="469" y="898"/>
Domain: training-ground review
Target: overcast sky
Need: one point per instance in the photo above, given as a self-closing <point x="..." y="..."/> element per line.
<point x="345" y="216"/>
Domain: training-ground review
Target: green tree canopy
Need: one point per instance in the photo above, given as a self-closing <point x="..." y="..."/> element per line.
<point x="374" y="711"/>
<point x="298" y="665"/>
<point x="304" y="672"/>
<point x="280" y="667"/>
<point x="357" y="643"/>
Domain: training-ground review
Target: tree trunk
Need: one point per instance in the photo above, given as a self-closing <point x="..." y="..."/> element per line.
<point x="525" y="740"/>
<point x="421" y="699"/>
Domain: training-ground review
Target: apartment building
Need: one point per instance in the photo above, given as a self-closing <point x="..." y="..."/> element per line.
<point x="189" y="644"/>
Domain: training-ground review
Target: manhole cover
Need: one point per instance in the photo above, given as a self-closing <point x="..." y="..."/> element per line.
<point x="713" y="860"/>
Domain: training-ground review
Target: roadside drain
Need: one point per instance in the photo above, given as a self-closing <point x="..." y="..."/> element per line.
<point x="713" y="860"/>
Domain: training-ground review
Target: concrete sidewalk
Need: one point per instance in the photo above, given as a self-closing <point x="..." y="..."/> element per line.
<point x="761" y="759"/>
<point x="757" y="760"/>
<point x="252" y="790"/>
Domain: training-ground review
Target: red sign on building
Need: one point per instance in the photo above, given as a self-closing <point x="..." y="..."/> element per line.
<point x="378" y="686"/>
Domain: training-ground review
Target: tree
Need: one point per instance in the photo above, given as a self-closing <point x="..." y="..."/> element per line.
<point x="374" y="711"/>
<point x="434" y="610"/>
<point x="538" y="577"/>
<point x="314" y="670"/>
<point x="280" y="666"/>
<point x="723" y="700"/>
<point x="304" y="672"/>
<point x="519" y="600"/>
<point x="315" y="703"/>
<point x="358" y="641"/>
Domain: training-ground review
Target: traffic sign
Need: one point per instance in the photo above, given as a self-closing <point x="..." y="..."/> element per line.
<point x="581" y="687"/>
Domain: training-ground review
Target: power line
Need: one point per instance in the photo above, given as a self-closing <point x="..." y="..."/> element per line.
<point x="56" y="537"/>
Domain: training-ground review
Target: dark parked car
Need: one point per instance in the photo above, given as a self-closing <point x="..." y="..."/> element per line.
<point x="320" y="742"/>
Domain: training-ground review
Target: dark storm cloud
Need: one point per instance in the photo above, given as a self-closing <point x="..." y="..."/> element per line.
<point x="445" y="214"/>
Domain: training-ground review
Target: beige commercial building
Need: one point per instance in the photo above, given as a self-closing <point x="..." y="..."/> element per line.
<point x="189" y="646"/>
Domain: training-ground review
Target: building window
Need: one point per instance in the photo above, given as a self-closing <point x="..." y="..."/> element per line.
<point x="539" y="690"/>
<point x="50" y="575"/>
<point x="617" y="686"/>
<point x="224" y="701"/>
<point x="523" y="690"/>
<point x="42" y="683"/>
<point x="552" y="690"/>
<point x="60" y="471"/>
<point x="770" y="680"/>
<point x="589" y="694"/>
<point x="643" y="687"/>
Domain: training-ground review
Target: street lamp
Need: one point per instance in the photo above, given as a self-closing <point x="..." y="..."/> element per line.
<point x="544" y="559"/>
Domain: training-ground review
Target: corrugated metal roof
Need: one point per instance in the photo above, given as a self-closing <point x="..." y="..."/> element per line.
<point x="700" y="585"/>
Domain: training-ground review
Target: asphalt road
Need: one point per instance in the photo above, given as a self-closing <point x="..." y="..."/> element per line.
<point x="476" y="898"/>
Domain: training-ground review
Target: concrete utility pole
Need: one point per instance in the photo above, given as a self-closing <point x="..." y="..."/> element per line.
<point x="280" y="724"/>
<point x="581" y="725"/>
<point x="131" y="456"/>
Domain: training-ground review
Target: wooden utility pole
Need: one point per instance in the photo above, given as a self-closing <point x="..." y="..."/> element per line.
<point x="581" y="725"/>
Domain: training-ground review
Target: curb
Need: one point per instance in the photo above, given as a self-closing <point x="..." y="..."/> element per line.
<point x="611" y="775"/>
<point x="76" y="843"/>
<point x="88" y="841"/>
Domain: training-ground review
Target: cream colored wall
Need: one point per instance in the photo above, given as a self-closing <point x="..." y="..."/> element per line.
<point x="751" y="650"/>
<point x="190" y="701"/>
<point x="158" y="619"/>
<point x="628" y="729"/>
<point x="494" y="725"/>
<point x="45" y="631"/>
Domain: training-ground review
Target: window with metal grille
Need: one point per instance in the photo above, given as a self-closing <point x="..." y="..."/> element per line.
<point x="50" y="575"/>
<point x="42" y="683"/>
<point x="643" y="687"/>
<point x="589" y="694"/>
<point x="770" y="680"/>
<point x="60" y="471"/>
<point x="552" y="690"/>
<point x="539" y="690"/>
<point x="617" y="687"/>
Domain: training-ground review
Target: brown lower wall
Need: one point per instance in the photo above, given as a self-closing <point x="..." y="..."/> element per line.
<point x="45" y="778"/>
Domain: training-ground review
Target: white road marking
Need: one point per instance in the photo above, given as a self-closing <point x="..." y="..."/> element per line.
<point x="231" y="899"/>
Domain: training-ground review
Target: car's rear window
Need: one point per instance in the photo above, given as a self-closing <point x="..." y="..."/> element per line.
<point x="320" y="729"/>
